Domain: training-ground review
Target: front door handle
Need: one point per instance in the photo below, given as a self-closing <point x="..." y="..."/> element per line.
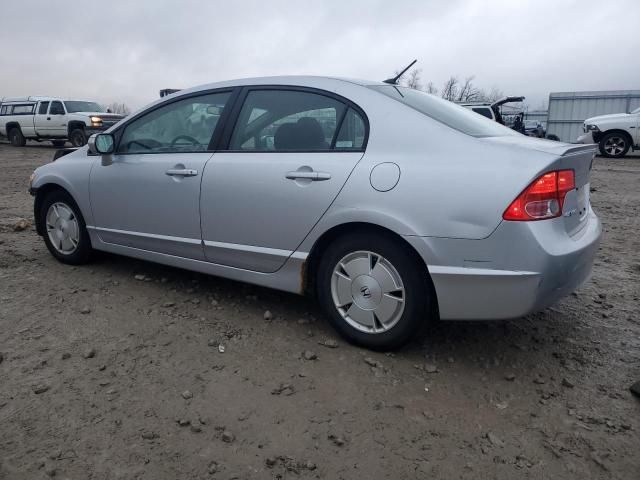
<point x="313" y="176"/>
<point x="181" y="172"/>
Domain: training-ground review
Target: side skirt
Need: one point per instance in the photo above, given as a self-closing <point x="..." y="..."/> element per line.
<point x="288" y="278"/>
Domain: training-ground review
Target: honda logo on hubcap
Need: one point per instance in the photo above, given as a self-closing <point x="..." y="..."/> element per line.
<point x="366" y="293"/>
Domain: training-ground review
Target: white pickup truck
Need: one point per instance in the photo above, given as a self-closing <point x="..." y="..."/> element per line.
<point x="52" y="119"/>
<point x="615" y="134"/>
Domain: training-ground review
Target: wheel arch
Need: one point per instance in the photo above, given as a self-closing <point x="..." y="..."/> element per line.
<point x="619" y="131"/>
<point x="312" y="263"/>
<point x="41" y="194"/>
<point x="11" y="125"/>
<point x="73" y="124"/>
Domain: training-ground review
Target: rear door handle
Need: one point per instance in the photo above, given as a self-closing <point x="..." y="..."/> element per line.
<point x="181" y="172"/>
<point x="314" y="176"/>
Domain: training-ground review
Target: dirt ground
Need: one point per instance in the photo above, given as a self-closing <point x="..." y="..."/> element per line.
<point x="128" y="370"/>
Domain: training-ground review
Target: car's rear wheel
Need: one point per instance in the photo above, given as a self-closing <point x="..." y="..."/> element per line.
<point x="78" y="137"/>
<point x="614" y="145"/>
<point x="65" y="232"/>
<point x="16" y="138"/>
<point x="553" y="137"/>
<point x="375" y="292"/>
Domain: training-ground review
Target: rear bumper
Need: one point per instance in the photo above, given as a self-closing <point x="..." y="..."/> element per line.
<point x="523" y="267"/>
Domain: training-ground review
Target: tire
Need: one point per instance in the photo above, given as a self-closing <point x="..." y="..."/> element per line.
<point x="553" y="137"/>
<point x="62" y="233"/>
<point x="78" y="137"/>
<point x="614" y="145"/>
<point x="16" y="138"/>
<point x="58" y="143"/>
<point x="368" y="317"/>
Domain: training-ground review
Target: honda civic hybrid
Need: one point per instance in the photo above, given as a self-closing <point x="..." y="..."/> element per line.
<point x="392" y="207"/>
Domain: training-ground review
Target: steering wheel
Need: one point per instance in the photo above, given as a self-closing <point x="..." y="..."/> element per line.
<point x="191" y="140"/>
<point x="147" y="144"/>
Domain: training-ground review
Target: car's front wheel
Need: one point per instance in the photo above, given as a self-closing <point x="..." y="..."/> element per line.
<point x="65" y="232"/>
<point x="78" y="137"/>
<point x="374" y="290"/>
<point x="614" y="145"/>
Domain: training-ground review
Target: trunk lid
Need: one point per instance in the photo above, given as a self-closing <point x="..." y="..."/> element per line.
<point x="577" y="202"/>
<point x="578" y="158"/>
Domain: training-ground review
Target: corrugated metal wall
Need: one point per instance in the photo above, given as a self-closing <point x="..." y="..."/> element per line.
<point x="568" y="110"/>
<point x="539" y="115"/>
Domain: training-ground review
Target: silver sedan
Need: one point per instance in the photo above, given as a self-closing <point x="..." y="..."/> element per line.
<point x="393" y="207"/>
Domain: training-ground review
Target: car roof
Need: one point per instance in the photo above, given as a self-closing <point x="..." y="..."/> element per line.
<point x="287" y="80"/>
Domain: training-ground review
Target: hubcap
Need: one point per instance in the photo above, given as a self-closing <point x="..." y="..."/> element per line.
<point x="62" y="228"/>
<point x="614" y="145"/>
<point x="368" y="292"/>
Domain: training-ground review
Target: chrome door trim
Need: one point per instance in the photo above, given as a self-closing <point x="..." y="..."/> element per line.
<point x="155" y="236"/>
<point x="250" y="257"/>
<point x="253" y="249"/>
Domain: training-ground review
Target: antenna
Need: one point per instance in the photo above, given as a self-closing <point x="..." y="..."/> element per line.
<point x="394" y="80"/>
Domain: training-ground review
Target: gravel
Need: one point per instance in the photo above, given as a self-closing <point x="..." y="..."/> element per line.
<point x="351" y="413"/>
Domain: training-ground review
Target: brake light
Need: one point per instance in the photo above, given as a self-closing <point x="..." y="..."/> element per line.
<point x="543" y="198"/>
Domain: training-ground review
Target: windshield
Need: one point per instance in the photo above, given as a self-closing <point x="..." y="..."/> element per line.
<point x="76" y="106"/>
<point x="462" y="119"/>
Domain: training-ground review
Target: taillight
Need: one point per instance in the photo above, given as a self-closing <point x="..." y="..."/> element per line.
<point x="542" y="199"/>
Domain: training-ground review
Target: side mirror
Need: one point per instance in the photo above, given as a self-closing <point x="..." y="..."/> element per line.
<point x="101" y="144"/>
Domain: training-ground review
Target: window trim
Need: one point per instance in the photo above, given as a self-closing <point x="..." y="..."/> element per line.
<point x="245" y="90"/>
<point x="215" y="136"/>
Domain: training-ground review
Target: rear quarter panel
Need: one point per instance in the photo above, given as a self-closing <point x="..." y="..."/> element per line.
<point x="451" y="184"/>
<point x="25" y="122"/>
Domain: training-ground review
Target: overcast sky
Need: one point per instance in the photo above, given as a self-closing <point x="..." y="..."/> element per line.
<point x="127" y="50"/>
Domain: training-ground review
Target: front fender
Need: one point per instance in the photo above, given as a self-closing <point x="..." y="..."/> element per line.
<point x="68" y="177"/>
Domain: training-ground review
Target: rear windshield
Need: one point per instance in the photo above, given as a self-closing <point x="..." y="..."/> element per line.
<point x="444" y="111"/>
<point x="77" y="106"/>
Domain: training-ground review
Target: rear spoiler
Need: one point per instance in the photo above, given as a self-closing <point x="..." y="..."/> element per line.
<point x="62" y="152"/>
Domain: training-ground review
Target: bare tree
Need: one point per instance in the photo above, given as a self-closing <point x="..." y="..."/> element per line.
<point x="413" y="80"/>
<point x="468" y="92"/>
<point x="119" y="108"/>
<point x="494" y="94"/>
<point x="450" y="89"/>
<point x="431" y="88"/>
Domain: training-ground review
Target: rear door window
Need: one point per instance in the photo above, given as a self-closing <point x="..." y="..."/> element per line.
<point x="352" y="133"/>
<point x="286" y="120"/>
